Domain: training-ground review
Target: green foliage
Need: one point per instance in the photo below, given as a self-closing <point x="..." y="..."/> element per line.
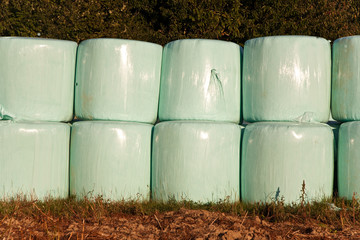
<point x="162" y="21"/>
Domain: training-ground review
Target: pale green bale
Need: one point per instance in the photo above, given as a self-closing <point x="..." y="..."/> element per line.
<point x="110" y="159"/>
<point x="37" y="79"/>
<point x="201" y="80"/>
<point x="34" y="160"/>
<point x="197" y="161"/>
<point x="118" y="79"/>
<point x="346" y="79"/>
<point x="278" y="157"/>
<point x="287" y="78"/>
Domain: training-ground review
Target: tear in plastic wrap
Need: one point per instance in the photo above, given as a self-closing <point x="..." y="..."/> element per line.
<point x="346" y="79"/>
<point x="349" y="160"/>
<point x="34" y="160"/>
<point x="285" y="77"/>
<point x="277" y="158"/>
<point x="111" y="159"/>
<point x="196" y="161"/>
<point x="201" y="80"/>
<point x="36" y="79"/>
<point x="118" y="80"/>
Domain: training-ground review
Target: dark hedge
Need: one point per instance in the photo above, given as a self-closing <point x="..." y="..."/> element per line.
<point x="162" y="21"/>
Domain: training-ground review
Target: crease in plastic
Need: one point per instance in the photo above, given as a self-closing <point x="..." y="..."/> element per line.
<point x="306" y="117"/>
<point x="5" y="115"/>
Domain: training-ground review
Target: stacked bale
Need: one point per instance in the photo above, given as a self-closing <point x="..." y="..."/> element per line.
<point x="117" y="80"/>
<point x="34" y="159"/>
<point x="278" y="157"/>
<point x="37" y="84"/>
<point x="196" y="152"/>
<point x="286" y="79"/>
<point x="345" y="107"/>
<point x="111" y="159"/>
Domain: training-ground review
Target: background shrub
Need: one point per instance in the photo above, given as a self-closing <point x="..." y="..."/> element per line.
<point x="162" y="21"/>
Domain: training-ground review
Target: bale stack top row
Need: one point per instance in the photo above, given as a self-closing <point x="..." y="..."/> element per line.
<point x="284" y="78"/>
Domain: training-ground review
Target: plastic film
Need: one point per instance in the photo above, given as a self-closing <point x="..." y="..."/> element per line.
<point x="36" y="79"/>
<point x="346" y="79"/>
<point x="111" y="159"/>
<point x="118" y="80"/>
<point x="200" y="80"/>
<point x="196" y="161"/>
<point x="34" y="160"/>
<point x="287" y="78"/>
<point x="278" y="157"/>
<point x="349" y="160"/>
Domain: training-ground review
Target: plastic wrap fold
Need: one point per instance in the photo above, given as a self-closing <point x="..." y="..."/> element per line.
<point x="111" y="159"/>
<point x="37" y="79"/>
<point x="196" y="161"/>
<point x="118" y="80"/>
<point x="200" y="80"/>
<point x="34" y="160"/>
<point x="346" y="79"/>
<point x="287" y="78"/>
<point x="349" y="160"/>
<point x="277" y="158"/>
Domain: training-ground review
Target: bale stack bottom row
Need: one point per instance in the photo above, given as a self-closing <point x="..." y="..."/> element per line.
<point x="190" y="160"/>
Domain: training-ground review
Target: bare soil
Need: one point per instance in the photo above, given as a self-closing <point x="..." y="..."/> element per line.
<point x="181" y="224"/>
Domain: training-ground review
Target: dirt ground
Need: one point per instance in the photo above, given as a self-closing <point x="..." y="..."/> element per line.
<point x="182" y="224"/>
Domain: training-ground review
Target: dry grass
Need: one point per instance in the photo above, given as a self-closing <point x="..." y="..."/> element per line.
<point x="80" y="219"/>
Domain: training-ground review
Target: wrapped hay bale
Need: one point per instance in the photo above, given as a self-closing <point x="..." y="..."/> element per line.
<point x="118" y="79"/>
<point x="287" y="78"/>
<point x="34" y="160"/>
<point x="278" y="158"/>
<point x="110" y="159"/>
<point x="349" y="160"/>
<point x="196" y="161"/>
<point x="201" y="80"/>
<point x="346" y="79"/>
<point x="37" y="79"/>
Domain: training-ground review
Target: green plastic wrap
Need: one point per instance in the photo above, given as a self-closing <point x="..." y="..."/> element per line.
<point x="277" y="157"/>
<point x="287" y="78"/>
<point x="34" y="160"/>
<point x="111" y="159"/>
<point x="37" y="79"/>
<point x="196" y="161"/>
<point x="346" y="79"/>
<point x="349" y="160"/>
<point x="118" y="80"/>
<point x="201" y="80"/>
